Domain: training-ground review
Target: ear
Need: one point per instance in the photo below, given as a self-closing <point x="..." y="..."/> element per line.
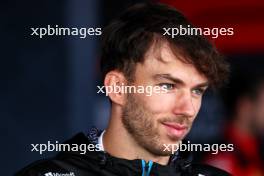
<point x="113" y="82"/>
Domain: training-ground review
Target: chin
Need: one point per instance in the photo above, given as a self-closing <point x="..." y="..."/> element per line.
<point x="170" y="141"/>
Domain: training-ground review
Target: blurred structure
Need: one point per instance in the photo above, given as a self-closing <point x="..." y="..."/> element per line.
<point x="245" y="16"/>
<point x="244" y="100"/>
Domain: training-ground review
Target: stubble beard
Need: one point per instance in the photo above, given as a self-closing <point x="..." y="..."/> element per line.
<point x="139" y="122"/>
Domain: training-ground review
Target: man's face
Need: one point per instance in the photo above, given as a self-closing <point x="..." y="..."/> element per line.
<point x="163" y="118"/>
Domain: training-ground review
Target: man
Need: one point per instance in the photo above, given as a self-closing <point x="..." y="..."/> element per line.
<point x="137" y="52"/>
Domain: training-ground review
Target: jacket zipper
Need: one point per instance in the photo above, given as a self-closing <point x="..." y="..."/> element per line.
<point x="146" y="167"/>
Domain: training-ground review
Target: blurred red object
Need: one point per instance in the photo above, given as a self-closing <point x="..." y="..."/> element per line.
<point x="245" y="16"/>
<point x="244" y="160"/>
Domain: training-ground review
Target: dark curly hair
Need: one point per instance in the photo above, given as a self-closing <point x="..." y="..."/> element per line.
<point x="127" y="39"/>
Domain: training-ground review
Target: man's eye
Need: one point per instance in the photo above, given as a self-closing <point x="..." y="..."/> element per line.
<point x="167" y="86"/>
<point x="198" y="91"/>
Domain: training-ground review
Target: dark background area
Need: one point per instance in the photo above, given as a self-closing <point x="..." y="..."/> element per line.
<point x="48" y="86"/>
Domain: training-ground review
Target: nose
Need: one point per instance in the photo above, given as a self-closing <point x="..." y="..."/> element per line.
<point x="184" y="104"/>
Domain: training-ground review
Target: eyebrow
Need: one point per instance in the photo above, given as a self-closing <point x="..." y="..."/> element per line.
<point x="178" y="81"/>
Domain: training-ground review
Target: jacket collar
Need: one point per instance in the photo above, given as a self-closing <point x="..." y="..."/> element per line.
<point x="180" y="162"/>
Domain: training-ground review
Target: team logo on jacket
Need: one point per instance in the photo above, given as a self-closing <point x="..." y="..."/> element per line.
<point x="59" y="174"/>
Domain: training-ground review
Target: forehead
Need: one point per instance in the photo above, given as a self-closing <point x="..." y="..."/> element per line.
<point x="160" y="59"/>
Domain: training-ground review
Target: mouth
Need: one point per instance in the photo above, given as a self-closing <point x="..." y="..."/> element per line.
<point x="175" y="130"/>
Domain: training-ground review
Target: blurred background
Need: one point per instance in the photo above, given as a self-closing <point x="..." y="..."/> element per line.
<point x="48" y="89"/>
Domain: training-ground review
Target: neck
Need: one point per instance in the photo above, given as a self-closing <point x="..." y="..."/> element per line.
<point x="119" y="143"/>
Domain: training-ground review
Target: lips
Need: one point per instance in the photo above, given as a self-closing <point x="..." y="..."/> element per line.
<point x="176" y="126"/>
<point x="175" y="129"/>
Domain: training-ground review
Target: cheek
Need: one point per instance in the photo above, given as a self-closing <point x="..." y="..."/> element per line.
<point x="197" y="105"/>
<point x="159" y="103"/>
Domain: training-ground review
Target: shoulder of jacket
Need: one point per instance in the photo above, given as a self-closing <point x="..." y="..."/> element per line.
<point x="207" y="170"/>
<point x="39" y="168"/>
